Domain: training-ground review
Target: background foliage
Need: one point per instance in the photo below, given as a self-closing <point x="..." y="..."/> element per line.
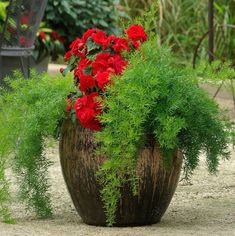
<point x="181" y="24"/>
<point x="29" y="113"/>
<point x="3" y="6"/>
<point x="72" y="18"/>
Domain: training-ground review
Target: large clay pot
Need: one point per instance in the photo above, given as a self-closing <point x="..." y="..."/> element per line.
<point x="80" y="164"/>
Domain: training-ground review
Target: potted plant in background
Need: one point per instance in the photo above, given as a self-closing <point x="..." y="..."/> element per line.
<point x="49" y="45"/>
<point x="133" y="115"/>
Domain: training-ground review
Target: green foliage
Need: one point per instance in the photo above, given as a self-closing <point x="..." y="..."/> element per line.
<point x="4" y="194"/>
<point x="3" y="6"/>
<point x="181" y="24"/>
<point x="148" y="20"/>
<point x="156" y="96"/>
<point x="30" y="111"/>
<point x="215" y="72"/>
<point x="137" y="7"/>
<point x="72" y="18"/>
<point x="185" y="22"/>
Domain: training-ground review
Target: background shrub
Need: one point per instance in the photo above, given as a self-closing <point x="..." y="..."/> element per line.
<point x="72" y="18"/>
<point x="181" y="24"/>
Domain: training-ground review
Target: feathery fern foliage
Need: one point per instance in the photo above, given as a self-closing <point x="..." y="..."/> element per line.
<point x="30" y="111"/>
<point x="156" y="96"/>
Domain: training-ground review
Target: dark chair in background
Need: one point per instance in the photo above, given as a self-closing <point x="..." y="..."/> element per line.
<point x="18" y="35"/>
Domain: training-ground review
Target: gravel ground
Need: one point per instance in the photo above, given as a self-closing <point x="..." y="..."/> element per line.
<point x="206" y="206"/>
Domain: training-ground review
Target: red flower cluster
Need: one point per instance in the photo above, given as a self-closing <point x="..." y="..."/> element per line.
<point x="55" y="36"/>
<point x="95" y="58"/>
<point x="42" y="35"/>
<point x="87" y="108"/>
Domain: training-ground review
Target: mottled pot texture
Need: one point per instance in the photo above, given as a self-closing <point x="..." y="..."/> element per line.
<point x="80" y="164"/>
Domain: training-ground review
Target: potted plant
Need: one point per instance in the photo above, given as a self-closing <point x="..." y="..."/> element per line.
<point x="132" y="118"/>
<point x="48" y="45"/>
<point x="48" y="42"/>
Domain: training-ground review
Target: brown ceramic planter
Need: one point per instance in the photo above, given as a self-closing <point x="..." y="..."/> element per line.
<point x="79" y="166"/>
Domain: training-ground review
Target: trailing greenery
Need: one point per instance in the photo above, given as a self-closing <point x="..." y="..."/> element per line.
<point x="30" y="111"/>
<point x="156" y="96"/>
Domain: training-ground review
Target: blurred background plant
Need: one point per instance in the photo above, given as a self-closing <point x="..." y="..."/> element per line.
<point x="3" y="6"/>
<point x="48" y="42"/>
<point x="182" y="24"/>
<point x="136" y="7"/>
<point x="72" y="18"/>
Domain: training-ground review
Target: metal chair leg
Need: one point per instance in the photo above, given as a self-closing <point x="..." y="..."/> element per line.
<point x="24" y="70"/>
<point x="28" y="66"/>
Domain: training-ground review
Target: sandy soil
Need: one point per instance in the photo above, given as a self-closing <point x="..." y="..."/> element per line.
<point x="206" y="206"/>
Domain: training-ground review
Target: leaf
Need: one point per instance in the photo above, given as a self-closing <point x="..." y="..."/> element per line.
<point x="103" y="23"/>
<point x="92" y="46"/>
<point x="67" y="69"/>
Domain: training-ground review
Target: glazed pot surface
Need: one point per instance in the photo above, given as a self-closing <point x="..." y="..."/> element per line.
<point x="80" y="164"/>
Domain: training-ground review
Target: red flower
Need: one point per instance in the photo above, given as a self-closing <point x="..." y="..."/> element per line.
<point x="86" y="115"/>
<point x="135" y="44"/>
<point x="86" y="82"/>
<point x="108" y="42"/>
<point x="42" y="35"/>
<point x="117" y="63"/>
<point x="24" y="20"/>
<point x="101" y="63"/>
<point x="54" y="35"/>
<point x="87" y="108"/>
<point x="136" y="33"/>
<point x="93" y="125"/>
<point x="61" y="70"/>
<point x="22" y="40"/>
<point x="84" y="63"/>
<point x="78" y="73"/>
<point x="86" y="101"/>
<point x="67" y="55"/>
<point x="99" y="37"/>
<point x="88" y="34"/>
<point x="104" y="55"/>
<point x="120" y="45"/>
<point x="78" y="48"/>
<point x="103" y="79"/>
